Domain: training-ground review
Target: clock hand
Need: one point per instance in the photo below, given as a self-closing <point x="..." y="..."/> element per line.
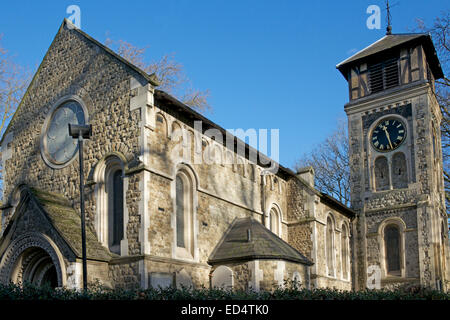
<point x="387" y="136"/>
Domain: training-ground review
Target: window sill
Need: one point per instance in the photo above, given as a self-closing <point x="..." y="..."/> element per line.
<point x="395" y="279"/>
<point x="183" y="254"/>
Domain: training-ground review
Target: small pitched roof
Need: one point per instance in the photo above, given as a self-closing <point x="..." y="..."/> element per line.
<point x="239" y="244"/>
<point x="391" y="41"/>
<point x="67" y="221"/>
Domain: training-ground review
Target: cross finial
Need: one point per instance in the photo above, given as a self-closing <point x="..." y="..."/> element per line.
<point x="388" y="13"/>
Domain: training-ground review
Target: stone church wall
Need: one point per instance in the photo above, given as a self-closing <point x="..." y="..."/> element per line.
<point x="267" y="274"/>
<point x="75" y="66"/>
<point x="224" y="191"/>
<point x="337" y="279"/>
<point x="374" y="238"/>
<point x="281" y="273"/>
<point x="299" y="215"/>
<point x="177" y="273"/>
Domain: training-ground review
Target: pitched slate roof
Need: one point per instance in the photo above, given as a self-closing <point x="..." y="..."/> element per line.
<point x="67" y="221"/>
<point x="238" y="244"/>
<point x="391" y="41"/>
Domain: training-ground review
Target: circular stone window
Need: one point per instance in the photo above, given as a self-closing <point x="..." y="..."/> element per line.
<point x="59" y="148"/>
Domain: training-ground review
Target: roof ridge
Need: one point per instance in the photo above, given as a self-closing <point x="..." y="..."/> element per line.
<point x="370" y="45"/>
<point x="149" y="77"/>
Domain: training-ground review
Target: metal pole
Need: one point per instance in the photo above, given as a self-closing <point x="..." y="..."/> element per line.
<point x="83" y="227"/>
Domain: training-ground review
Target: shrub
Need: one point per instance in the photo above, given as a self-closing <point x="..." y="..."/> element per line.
<point x="30" y="292"/>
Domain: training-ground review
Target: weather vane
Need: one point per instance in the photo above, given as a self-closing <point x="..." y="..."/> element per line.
<point x="388" y="13"/>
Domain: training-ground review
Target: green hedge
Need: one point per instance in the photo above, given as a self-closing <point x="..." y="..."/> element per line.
<point x="30" y="292"/>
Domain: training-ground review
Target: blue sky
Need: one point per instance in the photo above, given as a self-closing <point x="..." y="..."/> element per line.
<point x="267" y="64"/>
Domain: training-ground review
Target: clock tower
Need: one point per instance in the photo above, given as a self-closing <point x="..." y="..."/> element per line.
<point x="396" y="176"/>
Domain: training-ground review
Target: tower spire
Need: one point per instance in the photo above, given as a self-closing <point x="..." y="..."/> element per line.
<point x="388" y="13"/>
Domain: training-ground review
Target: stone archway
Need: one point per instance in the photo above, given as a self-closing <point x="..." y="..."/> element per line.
<point x="33" y="258"/>
<point x="35" y="266"/>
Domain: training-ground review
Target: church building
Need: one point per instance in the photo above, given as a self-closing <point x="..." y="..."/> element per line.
<point x="157" y="216"/>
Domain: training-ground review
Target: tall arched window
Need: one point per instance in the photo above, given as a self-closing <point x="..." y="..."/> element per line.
<point x="161" y="125"/>
<point x="274" y="219"/>
<point x="184" y="215"/>
<point x="330" y="246"/>
<point x="444" y="235"/>
<point x="345" y="251"/>
<point x="109" y="190"/>
<point x="381" y="174"/>
<point x="392" y="247"/>
<point x="115" y="210"/>
<point x="181" y="241"/>
<point x="399" y="171"/>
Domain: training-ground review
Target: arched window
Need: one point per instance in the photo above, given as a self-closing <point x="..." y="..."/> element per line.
<point x="444" y="243"/>
<point x="176" y="130"/>
<point x="184" y="215"/>
<point x="109" y="190"/>
<point x="190" y="152"/>
<point x="274" y="220"/>
<point x="345" y="251"/>
<point x="392" y="247"/>
<point x="181" y="241"/>
<point x="161" y="125"/>
<point x="381" y="174"/>
<point x="399" y="171"/>
<point x="330" y="246"/>
<point x="115" y="210"/>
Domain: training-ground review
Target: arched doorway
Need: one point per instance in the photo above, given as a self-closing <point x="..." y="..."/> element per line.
<point x="33" y="258"/>
<point x="35" y="266"/>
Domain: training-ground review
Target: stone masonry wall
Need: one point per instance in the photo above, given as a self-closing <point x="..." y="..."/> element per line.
<point x="75" y="66"/>
<point x="223" y="191"/>
<point x="337" y="279"/>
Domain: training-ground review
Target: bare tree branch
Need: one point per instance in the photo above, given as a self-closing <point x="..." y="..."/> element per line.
<point x="330" y="161"/>
<point x="170" y="74"/>
<point x="440" y="34"/>
<point x="14" y="81"/>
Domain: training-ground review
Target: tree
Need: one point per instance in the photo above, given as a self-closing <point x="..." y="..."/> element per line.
<point x="14" y="81"/>
<point x="441" y="37"/>
<point x="170" y="74"/>
<point x="330" y="161"/>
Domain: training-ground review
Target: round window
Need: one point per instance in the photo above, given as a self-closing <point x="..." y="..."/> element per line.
<point x="59" y="146"/>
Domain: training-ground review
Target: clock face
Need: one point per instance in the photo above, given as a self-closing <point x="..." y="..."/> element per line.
<point x="60" y="146"/>
<point x="388" y="134"/>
